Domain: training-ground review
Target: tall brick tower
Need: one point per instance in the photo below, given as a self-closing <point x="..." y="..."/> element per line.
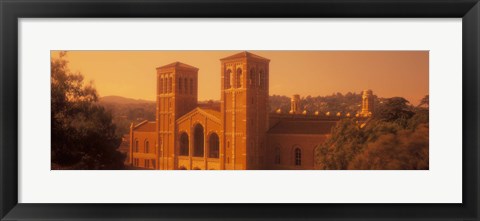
<point x="176" y="95"/>
<point x="244" y="103"/>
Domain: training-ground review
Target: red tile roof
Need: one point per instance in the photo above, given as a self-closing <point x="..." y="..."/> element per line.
<point x="178" y="65"/>
<point x="244" y="54"/>
<point x="303" y="127"/>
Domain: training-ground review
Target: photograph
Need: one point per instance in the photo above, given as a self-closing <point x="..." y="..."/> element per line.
<point x="239" y="110"/>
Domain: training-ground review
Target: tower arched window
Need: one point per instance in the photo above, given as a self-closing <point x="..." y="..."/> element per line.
<point x="185" y="85"/>
<point x="252" y="78"/>
<point x="277" y="155"/>
<point x="160" y="86"/>
<point x="169" y="86"/>
<point x="136" y="145"/>
<point x="198" y="141"/>
<point x="165" y="82"/>
<point x="239" y="80"/>
<point x="184" y="149"/>
<point x="180" y="85"/>
<point x="298" y="157"/>
<point x="214" y="146"/>
<point x="227" y="79"/>
<point x="147" y="146"/>
<point x="191" y="86"/>
<point x="261" y="79"/>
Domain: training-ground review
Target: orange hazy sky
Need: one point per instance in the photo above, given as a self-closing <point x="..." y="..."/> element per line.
<point x="388" y="73"/>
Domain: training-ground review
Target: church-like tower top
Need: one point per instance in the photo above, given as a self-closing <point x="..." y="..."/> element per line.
<point x="245" y="54"/>
<point x="178" y="65"/>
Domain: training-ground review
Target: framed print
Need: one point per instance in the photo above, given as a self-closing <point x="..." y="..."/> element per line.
<point x="239" y="110"/>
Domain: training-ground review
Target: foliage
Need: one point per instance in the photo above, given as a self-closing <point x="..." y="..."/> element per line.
<point x="83" y="135"/>
<point x="406" y="150"/>
<point x="125" y="113"/>
<point x="396" y="137"/>
<point x="395" y="110"/>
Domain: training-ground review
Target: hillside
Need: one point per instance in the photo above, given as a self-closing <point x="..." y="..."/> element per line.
<point x="123" y="100"/>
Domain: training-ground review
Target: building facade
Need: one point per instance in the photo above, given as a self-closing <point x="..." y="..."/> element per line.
<point x="238" y="133"/>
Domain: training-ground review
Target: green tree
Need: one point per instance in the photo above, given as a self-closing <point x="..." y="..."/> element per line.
<point x="395" y="109"/>
<point x="396" y="137"/>
<point x="346" y="141"/>
<point x="83" y="135"/>
<point x="406" y="150"/>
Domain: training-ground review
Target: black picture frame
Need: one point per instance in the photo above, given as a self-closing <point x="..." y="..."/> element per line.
<point x="12" y="10"/>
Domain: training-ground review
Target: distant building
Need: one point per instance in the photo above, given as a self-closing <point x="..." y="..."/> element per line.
<point x="236" y="134"/>
<point x="367" y="103"/>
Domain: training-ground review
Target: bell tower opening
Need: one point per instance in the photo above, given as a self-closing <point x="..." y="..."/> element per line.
<point x="173" y="101"/>
<point x="244" y="109"/>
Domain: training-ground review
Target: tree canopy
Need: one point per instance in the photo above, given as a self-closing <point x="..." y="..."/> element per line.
<point x="83" y="135"/>
<point x="396" y="137"/>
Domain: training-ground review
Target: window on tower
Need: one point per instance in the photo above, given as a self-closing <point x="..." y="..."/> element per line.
<point x="160" y="86"/>
<point x="227" y="79"/>
<point x="239" y="78"/>
<point x="191" y="86"/>
<point x="164" y="90"/>
<point x="180" y="85"/>
<point x="169" y="85"/>
<point x="252" y="78"/>
<point x="185" y="85"/>
<point x="261" y="79"/>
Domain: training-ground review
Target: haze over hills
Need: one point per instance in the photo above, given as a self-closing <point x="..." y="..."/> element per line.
<point x="122" y="100"/>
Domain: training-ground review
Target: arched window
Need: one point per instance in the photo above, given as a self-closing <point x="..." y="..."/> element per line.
<point x="185" y="85"/>
<point x="169" y="86"/>
<point x="191" y="86"/>
<point x="298" y="157"/>
<point x="198" y="148"/>
<point x="136" y="145"/>
<point x="277" y="155"/>
<point x="147" y="146"/>
<point x="227" y="79"/>
<point x="239" y="80"/>
<point x="261" y="79"/>
<point x="252" y="78"/>
<point x="165" y="82"/>
<point x="160" y="86"/>
<point x="184" y="144"/>
<point x="180" y="85"/>
<point x="214" y="143"/>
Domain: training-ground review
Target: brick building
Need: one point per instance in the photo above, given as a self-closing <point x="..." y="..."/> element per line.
<point x="239" y="133"/>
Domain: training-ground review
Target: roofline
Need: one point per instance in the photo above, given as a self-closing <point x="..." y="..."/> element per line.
<point x="235" y="56"/>
<point x="200" y="110"/>
<point x="142" y="123"/>
<point x="175" y="65"/>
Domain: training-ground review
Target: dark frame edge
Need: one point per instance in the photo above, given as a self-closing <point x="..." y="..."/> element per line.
<point x="471" y="83"/>
<point x="9" y="111"/>
<point x="11" y="210"/>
